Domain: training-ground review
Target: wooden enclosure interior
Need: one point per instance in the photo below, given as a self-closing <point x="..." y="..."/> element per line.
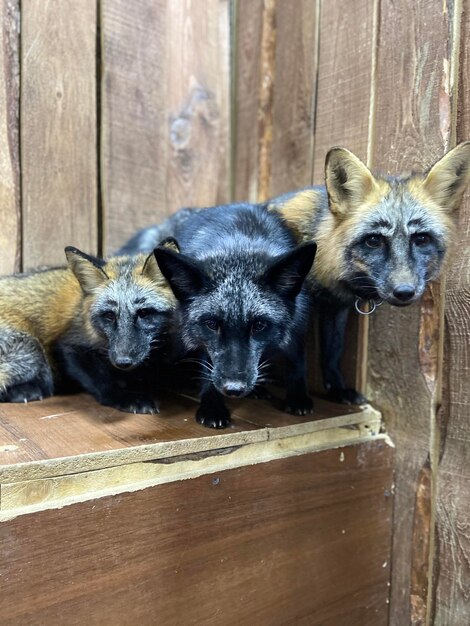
<point x="113" y="114"/>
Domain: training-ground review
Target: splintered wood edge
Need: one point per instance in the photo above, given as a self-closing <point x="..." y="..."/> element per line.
<point x="366" y="417"/>
<point x="31" y="496"/>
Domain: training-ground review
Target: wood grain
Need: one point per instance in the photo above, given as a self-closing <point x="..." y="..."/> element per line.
<point x="10" y="210"/>
<point x="410" y="114"/>
<point x="247" y="69"/>
<point x="303" y="540"/>
<point x="294" y="96"/>
<point x="165" y="111"/>
<point x="451" y="592"/>
<point x="63" y="435"/>
<point x="58" y="129"/>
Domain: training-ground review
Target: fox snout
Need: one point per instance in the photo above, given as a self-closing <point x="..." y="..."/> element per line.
<point x="235" y="389"/>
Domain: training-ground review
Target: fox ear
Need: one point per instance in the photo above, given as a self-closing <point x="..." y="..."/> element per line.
<point x="288" y="273"/>
<point x="87" y="269"/>
<point x="151" y="269"/>
<point x="447" y="180"/>
<point x="348" y="181"/>
<point x="185" y="276"/>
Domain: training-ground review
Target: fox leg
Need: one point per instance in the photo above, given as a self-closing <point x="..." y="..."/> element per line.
<point x="298" y="401"/>
<point x="25" y="374"/>
<point x="332" y="332"/>
<point x="100" y="379"/>
<point x="212" y="411"/>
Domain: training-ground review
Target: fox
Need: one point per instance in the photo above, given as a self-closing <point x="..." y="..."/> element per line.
<point x="94" y="323"/>
<point x="380" y="239"/>
<point x="238" y="279"/>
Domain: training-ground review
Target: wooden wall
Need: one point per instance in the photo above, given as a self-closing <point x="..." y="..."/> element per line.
<point x="114" y="114"/>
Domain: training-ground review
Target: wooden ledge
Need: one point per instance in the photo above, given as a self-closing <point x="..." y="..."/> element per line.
<point x="69" y="449"/>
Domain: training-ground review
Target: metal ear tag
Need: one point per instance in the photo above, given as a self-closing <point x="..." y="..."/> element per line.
<point x="371" y="304"/>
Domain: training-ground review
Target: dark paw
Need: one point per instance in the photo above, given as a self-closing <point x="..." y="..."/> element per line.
<point x="25" y="392"/>
<point x="298" y="405"/>
<point x="130" y="403"/>
<point x="346" y="396"/>
<point x="213" y="417"/>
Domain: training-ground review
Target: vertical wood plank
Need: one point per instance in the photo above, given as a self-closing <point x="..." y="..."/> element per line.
<point x="10" y="211"/>
<point x="58" y="128"/>
<point x="412" y="129"/>
<point x="165" y="110"/>
<point x="294" y="95"/>
<point x="276" y="57"/>
<point x="133" y="117"/>
<point x="247" y="67"/>
<point x="453" y="505"/>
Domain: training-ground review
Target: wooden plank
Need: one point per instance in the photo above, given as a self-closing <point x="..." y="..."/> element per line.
<point x="58" y="128"/>
<point x="301" y="540"/>
<point x="453" y="495"/>
<point x="165" y="110"/>
<point x="247" y="50"/>
<point x="64" y="435"/>
<point x="10" y="211"/>
<point x="348" y="32"/>
<point x="411" y="131"/>
<point x="294" y="95"/>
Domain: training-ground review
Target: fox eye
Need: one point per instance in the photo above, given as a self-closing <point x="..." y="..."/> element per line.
<point x="143" y="313"/>
<point x="374" y="241"/>
<point x="109" y="316"/>
<point x="212" y="324"/>
<point x="421" y="239"/>
<point x="258" y="326"/>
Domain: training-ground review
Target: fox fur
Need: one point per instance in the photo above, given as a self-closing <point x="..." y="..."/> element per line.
<point x="379" y="238"/>
<point x="53" y="323"/>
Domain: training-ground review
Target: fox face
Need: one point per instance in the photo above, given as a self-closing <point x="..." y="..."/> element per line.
<point x="380" y="237"/>
<point x="237" y="310"/>
<point x="126" y="302"/>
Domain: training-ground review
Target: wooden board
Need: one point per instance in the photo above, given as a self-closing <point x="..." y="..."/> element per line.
<point x="165" y="110"/>
<point x="453" y="495"/>
<point x="63" y="435"/>
<point x="412" y="127"/>
<point x="58" y="129"/>
<point x="302" y="540"/>
<point x="10" y="211"/>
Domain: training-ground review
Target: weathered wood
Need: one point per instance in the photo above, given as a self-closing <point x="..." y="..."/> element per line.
<point x="58" y="128"/>
<point x="248" y="23"/>
<point x="301" y="540"/>
<point x="412" y="126"/>
<point x="63" y="435"/>
<point x="10" y="211"/>
<point x="294" y="96"/>
<point x="452" y="589"/>
<point x="134" y="120"/>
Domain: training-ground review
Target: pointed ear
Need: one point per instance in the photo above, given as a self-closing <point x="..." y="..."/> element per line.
<point x="87" y="269"/>
<point x="288" y="273"/>
<point x="171" y="243"/>
<point x="348" y="181"/>
<point x="184" y="274"/>
<point x="447" y="180"/>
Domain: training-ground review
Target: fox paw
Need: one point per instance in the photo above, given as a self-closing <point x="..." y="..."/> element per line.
<point x="133" y="404"/>
<point x="298" y="405"/>
<point x="346" y="396"/>
<point x="213" y="417"/>
<point x="25" y="392"/>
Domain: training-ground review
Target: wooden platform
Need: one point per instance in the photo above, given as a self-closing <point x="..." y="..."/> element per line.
<point x="66" y="449"/>
<point x="114" y="519"/>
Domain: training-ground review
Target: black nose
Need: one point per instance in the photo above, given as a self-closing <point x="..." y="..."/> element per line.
<point x="404" y="292"/>
<point x="123" y="363"/>
<point x="234" y="389"/>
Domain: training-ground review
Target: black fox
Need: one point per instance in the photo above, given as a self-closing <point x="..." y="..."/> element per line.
<point x="95" y="323"/>
<point x="239" y="282"/>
